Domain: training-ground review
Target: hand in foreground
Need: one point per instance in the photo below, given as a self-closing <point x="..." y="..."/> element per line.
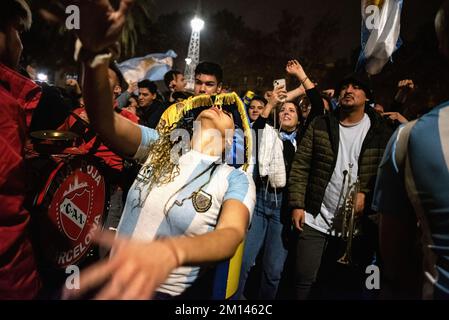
<point x="135" y="270"/>
<point x="100" y="25"/>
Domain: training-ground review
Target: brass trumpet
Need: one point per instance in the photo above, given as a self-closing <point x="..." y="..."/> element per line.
<point x="348" y="228"/>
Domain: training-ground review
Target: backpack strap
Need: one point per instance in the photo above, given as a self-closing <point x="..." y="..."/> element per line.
<point x="82" y="128"/>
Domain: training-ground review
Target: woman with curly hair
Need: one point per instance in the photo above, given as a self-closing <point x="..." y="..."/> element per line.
<point x="180" y="214"/>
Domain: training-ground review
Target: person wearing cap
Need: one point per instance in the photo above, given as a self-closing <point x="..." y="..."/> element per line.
<point x="180" y="215"/>
<point x="338" y="147"/>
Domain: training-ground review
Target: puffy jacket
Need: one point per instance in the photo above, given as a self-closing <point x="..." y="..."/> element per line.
<point x="316" y="157"/>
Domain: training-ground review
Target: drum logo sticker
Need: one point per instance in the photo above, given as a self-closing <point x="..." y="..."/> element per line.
<point x="76" y="212"/>
<point x="73" y="218"/>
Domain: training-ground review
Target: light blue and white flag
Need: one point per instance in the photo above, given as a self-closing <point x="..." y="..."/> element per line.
<point x="152" y="67"/>
<point x="381" y="28"/>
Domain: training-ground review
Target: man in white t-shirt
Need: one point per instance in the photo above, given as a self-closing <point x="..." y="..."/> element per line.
<point x="338" y="149"/>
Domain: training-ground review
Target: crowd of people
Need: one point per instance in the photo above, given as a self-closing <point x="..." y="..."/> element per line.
<point x="311" y="185"/>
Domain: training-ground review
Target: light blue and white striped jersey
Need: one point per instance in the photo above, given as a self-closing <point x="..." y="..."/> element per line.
<point x="428" y="150"/>
<point x="189" y="206"/>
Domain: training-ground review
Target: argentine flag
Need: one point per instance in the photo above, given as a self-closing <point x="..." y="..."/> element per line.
<point x="381" y="27"/>
<point x="152" y="67"/>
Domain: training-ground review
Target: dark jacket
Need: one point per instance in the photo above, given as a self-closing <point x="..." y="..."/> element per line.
<point x="150" y="116"/>
<point x="316" y="158"/>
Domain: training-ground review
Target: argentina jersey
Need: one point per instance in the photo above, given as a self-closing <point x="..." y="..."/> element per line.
<point x="428" y="150"/>
<point x="429" y="161"/>
<point x="188" y="206"/>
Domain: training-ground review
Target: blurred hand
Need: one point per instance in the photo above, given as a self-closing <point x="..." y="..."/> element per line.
<point x="395" y="116"/>
<point x="329" y="92"/>
<point x="360" y="204"/>
<point x="405" y="88"/>
<point x="132" y="87"/>
<point x="74" y="84"/>
<point x="135" y="270"/>
<point x="298" y="218"/>
<point x="100" y="25"/>
<point x="268" y="95"/>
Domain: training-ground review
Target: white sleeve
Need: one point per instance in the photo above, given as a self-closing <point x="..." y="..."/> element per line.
<point x="148" y="137"/>
<point x="241" y="187"/>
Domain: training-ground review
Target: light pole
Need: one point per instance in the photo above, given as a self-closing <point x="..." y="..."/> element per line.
<point x="193" y="57"/>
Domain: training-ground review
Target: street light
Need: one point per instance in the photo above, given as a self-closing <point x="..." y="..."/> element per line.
<point x="193" y="56"/>
<point x="42" y="77"/>
<point x="197" y="24"/>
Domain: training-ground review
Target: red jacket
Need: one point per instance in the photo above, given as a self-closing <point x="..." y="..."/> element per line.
<point x="111" y="159"/>
<point x="18" y="273"/>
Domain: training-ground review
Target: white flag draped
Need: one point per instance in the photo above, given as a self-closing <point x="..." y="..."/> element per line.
<point x="381" y="27"/>
<point x="152" y="67"/>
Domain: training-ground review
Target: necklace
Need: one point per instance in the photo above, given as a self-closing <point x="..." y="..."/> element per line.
<point x="199" y="203"/>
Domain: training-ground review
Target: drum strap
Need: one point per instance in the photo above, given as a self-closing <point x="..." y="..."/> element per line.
<point x="82" y="128"/>
<point x="95" y="146"/>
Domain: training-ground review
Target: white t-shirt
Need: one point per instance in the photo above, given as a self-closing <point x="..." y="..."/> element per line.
<point x="349" y="148"/>
<point x="144" y="218"/>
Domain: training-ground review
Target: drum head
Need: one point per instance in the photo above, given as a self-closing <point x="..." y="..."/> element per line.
<point x="72" y="207"/>
<point x="54" y="135"/>
<point x="52" y="141"/>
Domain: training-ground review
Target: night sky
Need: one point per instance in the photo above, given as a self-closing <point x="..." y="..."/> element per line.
<point x="265" y="15"/>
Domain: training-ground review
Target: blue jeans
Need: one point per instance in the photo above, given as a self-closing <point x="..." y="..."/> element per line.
<point x="265" y="231"/>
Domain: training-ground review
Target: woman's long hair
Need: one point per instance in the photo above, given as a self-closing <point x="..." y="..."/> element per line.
<point x="278" y="124"/>
<point x="159" y="166"/>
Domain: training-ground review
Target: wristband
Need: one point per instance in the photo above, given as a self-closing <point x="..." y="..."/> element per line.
<point x="92" y="59"/>
<point x="304" y="80"/>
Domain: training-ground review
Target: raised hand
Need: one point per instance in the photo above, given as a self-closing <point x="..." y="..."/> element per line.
<point x="294" y="68"/>
<point x="278" y="97"/>
<point x="405" y="88"/>
<point x="100" y="25"/>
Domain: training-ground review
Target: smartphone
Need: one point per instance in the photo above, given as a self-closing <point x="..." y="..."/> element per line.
<point x="279" y="83"/>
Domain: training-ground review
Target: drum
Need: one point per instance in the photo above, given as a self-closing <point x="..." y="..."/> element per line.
<point x="69" y="202"/>
<point x="53" y="141"/>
